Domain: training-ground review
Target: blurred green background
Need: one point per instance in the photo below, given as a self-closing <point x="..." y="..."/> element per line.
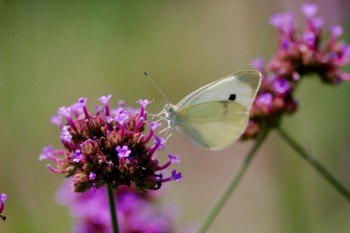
<point x="53" y="52"/>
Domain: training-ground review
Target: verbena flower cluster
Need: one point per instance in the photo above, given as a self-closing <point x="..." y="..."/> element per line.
<point x="136" y="211"/>
<point x="3" y="197"/>
<point x="109" y="147"/>
<point x="299" y="53"/>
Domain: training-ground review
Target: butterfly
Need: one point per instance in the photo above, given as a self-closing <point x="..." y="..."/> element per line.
<point x="215" y="115"/>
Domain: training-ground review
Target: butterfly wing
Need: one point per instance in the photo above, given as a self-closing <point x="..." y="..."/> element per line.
<point x="242" y="86"/>
<point x="213" y="125"/>
<point x="216" y="115"/>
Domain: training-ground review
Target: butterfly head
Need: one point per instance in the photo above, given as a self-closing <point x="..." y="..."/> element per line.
<point x="171" y="111"/>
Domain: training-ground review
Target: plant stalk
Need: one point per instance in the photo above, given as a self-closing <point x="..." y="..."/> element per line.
<point x="315" y="164"/>
<point x="232" y="184"/>
<point x="112" y="207"/>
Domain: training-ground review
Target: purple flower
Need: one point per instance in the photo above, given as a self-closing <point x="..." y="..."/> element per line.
<point x="176" y="176"/>
<point x="143" y="103"/>
<point x="65" y="136"/>
<point x="281" y="86"/>
<point x="104" y="100"/>
<point x="3" y="197"/>
<point x="123" y="152"/>
<point x="264" y="99"/>
<point x="136" y="211"/>
<point x="258" y="63"/>
<point x="46" y="153"/>
<point x="309" y="10"/>
<point x="92" y="176"/>
<point x="300" y="53"/>
<point x="92" y="143"/>
<point x="304" y="53"/>
<point x="159" y="142"/>
<point x="154" y="125"/>
<point x="122" y="117"/>
<point x="83" y="101"/>
<point x="76" y="156"/>
<point x="64" y="111"/>
<point x="174" y="158"/>
<point x="57" y="120"/>
<point x="283" y="22"/>
<point x="309" y="38"/>
<point x="336" y="31"/>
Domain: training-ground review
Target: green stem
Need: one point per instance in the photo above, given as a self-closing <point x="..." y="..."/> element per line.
<point x="111" y="198"/>
<point x="317" y="165"/>
<point x="232" y="184"/>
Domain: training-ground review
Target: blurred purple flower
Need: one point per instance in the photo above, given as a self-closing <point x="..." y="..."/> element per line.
<point x="3" y="197"/>
<point x="108" y="147"/>
<point x="136" y="211"/>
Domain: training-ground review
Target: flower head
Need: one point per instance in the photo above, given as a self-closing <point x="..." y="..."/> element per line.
<point x="304" y="53"/>
<point x="3" y="197"/>
<point x="300" y="53"/>
<point x="104" y="148"/>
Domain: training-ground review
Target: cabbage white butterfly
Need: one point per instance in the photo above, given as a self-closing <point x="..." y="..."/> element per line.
<point x="215" y="115"/>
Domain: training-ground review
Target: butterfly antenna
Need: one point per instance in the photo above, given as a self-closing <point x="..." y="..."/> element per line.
<point x="158" y="88"/>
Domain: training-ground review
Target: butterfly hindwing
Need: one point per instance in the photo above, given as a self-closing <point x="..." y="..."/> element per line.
<point x="213" y="125"/>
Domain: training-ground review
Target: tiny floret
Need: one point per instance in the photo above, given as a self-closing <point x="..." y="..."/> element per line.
<point x="174" y="158"/>
<point x="121" y="117"/>
<point x="105" y="99"/>
<point x="82" y="101"/>
<point x="76" y="156"/>
<point x="92" y="176"/>
<point x="309" y="10"/>
<point x="56" y="119"/>
<point x="159" y="142"/>
<point x="154" y="125"/>
<point x="176" y="176"/>
<point x="46" y="153"/>
<point x="123" y="152"/>
<point x="64" y="111"/>
<point x="143" y="103"/>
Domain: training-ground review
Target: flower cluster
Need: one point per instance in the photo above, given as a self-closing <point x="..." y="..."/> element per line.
<point x="136" y="211"/>
<point x="3" y="197"/>
<point x="109" y="147"/>
<point x="303" y="53"/>
<point x="300" y="53"/>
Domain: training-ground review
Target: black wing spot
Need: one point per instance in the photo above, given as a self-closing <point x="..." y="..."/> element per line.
<point x="232" y="97"/>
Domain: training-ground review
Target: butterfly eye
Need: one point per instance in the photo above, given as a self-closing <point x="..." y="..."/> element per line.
<point x="232" y="97"/>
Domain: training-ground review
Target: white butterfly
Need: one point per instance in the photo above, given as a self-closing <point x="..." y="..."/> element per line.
<point x="215" y="115"/>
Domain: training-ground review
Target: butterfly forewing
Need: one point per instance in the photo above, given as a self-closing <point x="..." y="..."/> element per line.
<point x="239" y="87"/>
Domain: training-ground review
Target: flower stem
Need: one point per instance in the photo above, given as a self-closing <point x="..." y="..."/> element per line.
<point x="111" y="198"/>
<point x="232" y="184"/>
<point x="317" y="165"/>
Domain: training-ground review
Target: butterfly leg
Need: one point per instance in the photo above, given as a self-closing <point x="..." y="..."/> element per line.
<point x="171" y="130"/>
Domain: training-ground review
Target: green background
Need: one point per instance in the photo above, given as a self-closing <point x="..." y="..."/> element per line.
<point x="53" y="52"/>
